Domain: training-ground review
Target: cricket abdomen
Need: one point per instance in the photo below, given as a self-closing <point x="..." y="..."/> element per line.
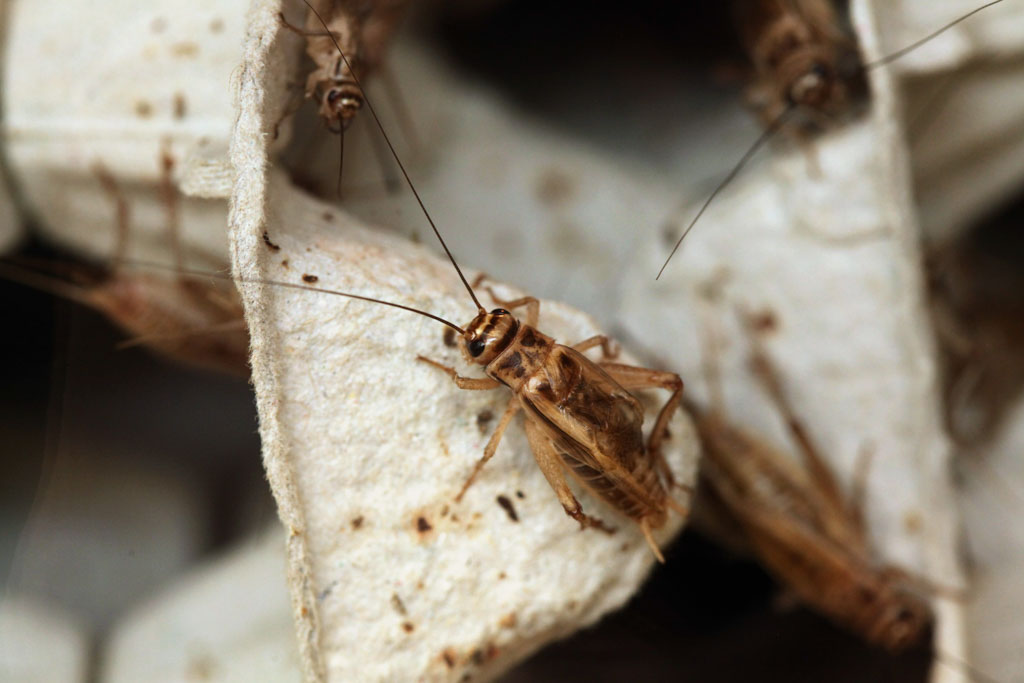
<point x="651" y="505"/>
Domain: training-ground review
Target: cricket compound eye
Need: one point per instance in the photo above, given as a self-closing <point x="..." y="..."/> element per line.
<point x="476" y="347"/>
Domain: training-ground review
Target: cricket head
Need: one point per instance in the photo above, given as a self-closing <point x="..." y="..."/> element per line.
<point x="810" y="80"/>
<point x="901" y="621"/>
<point x="340" y="103"/>
<point x="488" y="335"/>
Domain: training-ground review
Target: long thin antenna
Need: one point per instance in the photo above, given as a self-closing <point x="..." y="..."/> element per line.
<point x="199" y="274"/>
<point x="341" y="160"/>
<point x="777" y="123"/>
<point x="955" y="663"/>
<point x="44" y="283"/>
<point x="882" y="61"/>
<point x="771" y="130"/>
<point x="401" y="166"/>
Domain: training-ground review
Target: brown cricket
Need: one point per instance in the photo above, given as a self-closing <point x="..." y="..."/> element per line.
<point x="195" y="322"/>
<point x="808" y="73"/>
<point x="803" y="59"/>
<point x="363" y="30"/>
<point x="801" y="528"/>
<point x="580" y="415"/>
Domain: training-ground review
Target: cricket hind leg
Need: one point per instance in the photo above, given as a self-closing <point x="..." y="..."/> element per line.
<point x="609" y="350"/>
<point x="550" y="463"/>
<point x="767" y="374"/>
<point x="632" y="377"/>
<point x="492" y="445"/>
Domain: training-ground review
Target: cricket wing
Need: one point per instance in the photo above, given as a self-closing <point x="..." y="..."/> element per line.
<point x="744" y="468"/>
<point x="596" y="428"/>
<point x="819" y="571"/>
<point x="582" y="401"/>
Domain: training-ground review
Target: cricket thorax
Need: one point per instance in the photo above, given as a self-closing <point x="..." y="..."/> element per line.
<point x="523" y="359"/>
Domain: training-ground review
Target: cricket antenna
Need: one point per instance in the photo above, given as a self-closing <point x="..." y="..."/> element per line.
<point x="16" y="272"/>
<point x="882" y="61"/>
<point x="341" y="158"/>
<point x="776" y="125"/>
<point x="957" y="664"/>
<point x="770" y="131"/>
<point x="199" y="274"/>
<point x="394" y="154"/>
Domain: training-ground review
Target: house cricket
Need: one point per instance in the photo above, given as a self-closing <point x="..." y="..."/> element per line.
<point x="194" y="322"/>
<point x="803" y="58"/>
<point x="363" y="28"/>
<point x="807" y="74"/>
<point x="798" y="524"/>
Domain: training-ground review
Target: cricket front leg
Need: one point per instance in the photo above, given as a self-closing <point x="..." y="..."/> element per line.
<point x="301" y="31"/>
<point x="492" y="445"/>
<point x="531" y="303"/>
<point x="550" y="464"/>
<point x="470" y="383"/>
